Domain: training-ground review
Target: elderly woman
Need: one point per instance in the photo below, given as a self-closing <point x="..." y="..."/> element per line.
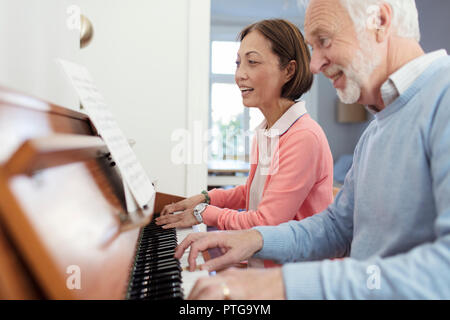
<point x="291" y="173"/>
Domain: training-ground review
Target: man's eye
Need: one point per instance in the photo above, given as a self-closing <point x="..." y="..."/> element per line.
<point x="325" y="42"/>
<point x="252" y="61"/>
<point x="238" y="63"/>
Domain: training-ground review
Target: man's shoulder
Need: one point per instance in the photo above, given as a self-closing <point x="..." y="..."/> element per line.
<point x="438" y="75"/>
<point x="435" y="89"/>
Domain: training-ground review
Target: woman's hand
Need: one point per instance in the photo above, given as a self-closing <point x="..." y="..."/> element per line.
<point x="238" y="284"/>
<point x="236" y="246"/>
<point x="181" y="220"/>
<point x="182" y="205"/>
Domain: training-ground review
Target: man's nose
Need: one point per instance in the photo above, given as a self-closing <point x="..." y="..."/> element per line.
<point x="318" y="62"/>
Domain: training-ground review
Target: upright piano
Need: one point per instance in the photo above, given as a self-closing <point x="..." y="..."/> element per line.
<point x="64" y="229"/>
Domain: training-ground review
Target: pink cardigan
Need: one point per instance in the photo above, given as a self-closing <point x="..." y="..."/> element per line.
<point x="301" y="186"/>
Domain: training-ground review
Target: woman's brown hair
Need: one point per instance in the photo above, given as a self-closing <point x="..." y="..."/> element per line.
<point x="288" y="44"/>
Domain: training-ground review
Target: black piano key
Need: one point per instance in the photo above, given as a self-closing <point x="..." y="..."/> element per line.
<point x="170" y="296"/>
<point x="157" y="267"/>
<point x="150" y="241"/>
<point x="156" y="276"/>
<point x="152" y="294"/>
<point x="147" y="270"/>
<point x="160" y="238"/>
<point x="156" y="273"/>
<point x="155" y="289"/>
<point x="158" y="229"/>
<point x="136" y="287"/>
<point x="157" y="249"/>
<point x="151" y="258"/>
<point x="157" y="245"/>
<point x="157" y="263"/>
<point x="170" y="293"/>
<point x="155" y="255"/>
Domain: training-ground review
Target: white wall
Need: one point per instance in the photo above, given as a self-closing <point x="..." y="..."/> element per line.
<point x="150" y="62"/>
<point x="33" y="33"/>
<point x="149" y="59"/>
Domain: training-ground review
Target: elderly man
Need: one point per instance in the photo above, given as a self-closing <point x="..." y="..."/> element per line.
<point x="391" y="221"/>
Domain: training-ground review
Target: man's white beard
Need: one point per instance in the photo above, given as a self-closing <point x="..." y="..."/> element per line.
<point x="359" y="70"/>
<point x="352" y="91"/>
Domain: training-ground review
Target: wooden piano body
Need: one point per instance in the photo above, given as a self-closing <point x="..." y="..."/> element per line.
<point x="64" y="233"/>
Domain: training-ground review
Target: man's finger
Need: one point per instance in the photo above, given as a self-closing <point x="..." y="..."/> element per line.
<point x="198" y="288"/>
<point x="179" y="250"/>
<point x="204" y="243"/>
<point x="208" y="288"/>
<point x="220" y="263"/>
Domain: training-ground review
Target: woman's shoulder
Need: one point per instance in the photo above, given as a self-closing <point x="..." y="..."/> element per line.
<point x="305" y="127"/>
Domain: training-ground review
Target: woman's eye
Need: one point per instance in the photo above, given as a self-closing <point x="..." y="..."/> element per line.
<point x="238" y="63"/>
<point x="252" y="62"/>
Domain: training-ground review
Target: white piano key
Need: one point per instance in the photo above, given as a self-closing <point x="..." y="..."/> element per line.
<point x="189" y="279"/>
<point x="182" y="233"/>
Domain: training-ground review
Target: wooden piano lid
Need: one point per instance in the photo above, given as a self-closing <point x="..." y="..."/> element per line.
<point x="62" y="210"/>
<point x="61" y="217"/>
<point x="61" y="204"/>
<point x="23" y="117"/>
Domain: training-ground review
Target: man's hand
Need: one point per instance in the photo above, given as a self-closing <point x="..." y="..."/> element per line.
<point x="238" y="284"/>
<point x="236" y="246"/>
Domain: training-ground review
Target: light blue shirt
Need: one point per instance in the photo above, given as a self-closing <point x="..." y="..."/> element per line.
<point x="391" y="220"/>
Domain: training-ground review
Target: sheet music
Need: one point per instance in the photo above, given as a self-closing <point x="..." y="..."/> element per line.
<point x="95" y="106"/>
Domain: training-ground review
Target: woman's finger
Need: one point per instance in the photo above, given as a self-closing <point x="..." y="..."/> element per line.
<point x="178" y="224"/>
<point x="173" y="207"/>
<point x="167" y="219"/>
<point x="168" y="209"/>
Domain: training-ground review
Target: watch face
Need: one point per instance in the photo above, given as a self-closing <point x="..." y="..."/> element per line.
<point x="200" y="207"/>
<point x="198" y="211"/>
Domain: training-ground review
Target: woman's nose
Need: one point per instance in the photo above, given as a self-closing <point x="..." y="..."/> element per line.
<point x="240" y="74"/>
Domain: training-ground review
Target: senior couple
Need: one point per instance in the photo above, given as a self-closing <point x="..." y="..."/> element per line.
<point x="386" y="235"/>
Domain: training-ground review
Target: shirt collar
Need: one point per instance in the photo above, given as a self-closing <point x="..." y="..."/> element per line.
<point x="285" y="122"/>
<point x="403" y="78"/>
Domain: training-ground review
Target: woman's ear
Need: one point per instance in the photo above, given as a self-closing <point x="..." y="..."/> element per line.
<point x="290" y="69"/>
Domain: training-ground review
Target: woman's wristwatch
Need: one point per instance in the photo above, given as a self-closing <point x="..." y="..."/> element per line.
<point x="198" y="210"/>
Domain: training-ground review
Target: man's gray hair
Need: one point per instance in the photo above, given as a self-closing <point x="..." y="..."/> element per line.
<point x="405" y="18"/>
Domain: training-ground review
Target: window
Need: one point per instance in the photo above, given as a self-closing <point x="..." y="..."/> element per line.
<point x="231" y="123"/>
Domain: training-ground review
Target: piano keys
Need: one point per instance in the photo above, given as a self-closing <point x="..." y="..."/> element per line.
<point x="156" y="273"/>
<point x="64" y="229"/>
